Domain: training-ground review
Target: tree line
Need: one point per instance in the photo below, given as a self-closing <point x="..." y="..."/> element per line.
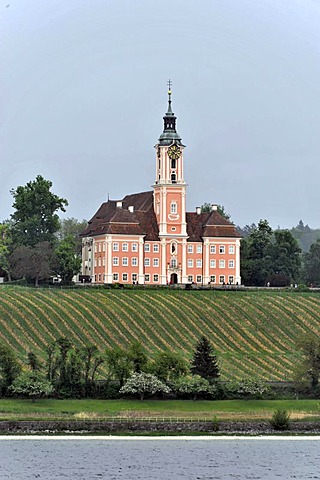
<point x="72" y="372"/>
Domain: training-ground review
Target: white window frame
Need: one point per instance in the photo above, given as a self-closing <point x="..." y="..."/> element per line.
<point x="190" y="263"/>
<point x="134" y="277"/>
<point x="212" y="249"/>
<point x="199" y="263"/>
<point x="222" y="279"/>
<point x="125" y="247"/>
<point x="190" y="278"/>
<point x="147" y="277"/>
<point x="212" y="264"/>
<point x="173" y="208"/>
<point x="212" y="279"/>
<point x="115" y="261"/>
<point x="156" y="277"/>
<point x="125" y="261"/>
<point x="155" y="248"/>
<point x="147" y="247"/>
<point x="231" y="249"/>
<point x="222" y="249"/>
<point x="134" y="261"/>
<point x="231" y="279"/>
<point x="231" y="263"/>
<point x="199" y="248"/>
<point x="124" y="277"/>
<point x="115" y="277"/>
<point x="134" y="247"/>
<point x="147" y="262"/>
<point x="222" y="264"/>
<point x="190" y="248"/>
<point x="155" y="262"/>
<point x="115" y="246"/>
<point x="199" y="278"/>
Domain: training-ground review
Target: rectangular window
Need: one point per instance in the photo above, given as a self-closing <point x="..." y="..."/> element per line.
<point x="199" y="263"/>
<point x="212" y="249"/>
<point x="99" y="261"/>
<point x="212" y="278"/>
<point x="155" y="248"/>
<point x="124" y="247"/>
<point x="231" y="249"/>
<point x="190" y="263"/>
<point x="116" y="277"/>
<point x="134" y="277"/>
<point x="199" y="248"/>
<point x="115" y="261"/>
<point x="104" y="261"/>
<point x="156" y="262"/>
<point x="231" y="263"/>
<point x="190" y="278"/>
<point x="212" y="264"/>
<point x="134" y="247"/>
<point x="199" y="278"/>
<point x="147" y="247"/>
<point x="147" y="278"/>
<point x="95" y="262"/>
<point x="190" y="248"/>
<point x="99" y="277"/>
<point x="173" y="207"/>
<point x="124" y="277"/>
<point x="95" y="248"/>
<point x="125" y="261"/>
<point x="173" y="263"/>
<point x="104" y="246"/>
<point x="222" y="264"/>
<point x="147" y="262"/>
<point x="156" y="278"/>
<point x="134" y="261"/>
<point x="99" y="246"/>
<point x="221" y="279"/>
<point x="222" y="249"/>
<point x="115" y="247"/>
<point x="230" y="279"/>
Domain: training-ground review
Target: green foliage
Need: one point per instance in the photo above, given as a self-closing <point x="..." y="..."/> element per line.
<point x="305" y="235"/>
<point x="280" y="420"/>
<point x="311" y="270"/>
<point x="144" y="383"/>
<point x="5" y="243"/>
<point x="206" y="207"/>
<point x="35" y="219"/>
<point x="33" y="361"/>
<point x="138" y="357"/>
<point x="9" y="367"/>
<point x="250" y="388"/>
<point x="309" y="368"/>
<point x="204" y="362"/>
<point x="194" y="386"/>
<point x="71" y="227"/>
<point x="168" y="366"/>
<point x="68" y="263"/>
<point x="268" y="256"/>
<point x="119" y="364"/>
<point x="32" y="262"/>
<point x="32" y="384"/>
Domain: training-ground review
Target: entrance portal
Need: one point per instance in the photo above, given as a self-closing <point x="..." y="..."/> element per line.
<point x="173" y="279"/>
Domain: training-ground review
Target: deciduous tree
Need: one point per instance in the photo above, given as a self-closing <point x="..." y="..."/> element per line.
<point x="32" y="384"/>
<point x="142" y="383"/>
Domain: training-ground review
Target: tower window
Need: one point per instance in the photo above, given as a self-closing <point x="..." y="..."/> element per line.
<point x="173" y="163"/>
<point x="173" y="207"/>
<point x="173" y="178"/>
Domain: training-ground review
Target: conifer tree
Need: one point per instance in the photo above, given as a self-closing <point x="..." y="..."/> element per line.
<point x="205" y="362"/>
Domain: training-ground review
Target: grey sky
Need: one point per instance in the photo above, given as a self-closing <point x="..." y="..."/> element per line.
<point x="83" y="92"/>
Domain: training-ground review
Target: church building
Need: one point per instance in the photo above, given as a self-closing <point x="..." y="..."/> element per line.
<point x="149" y="238"/>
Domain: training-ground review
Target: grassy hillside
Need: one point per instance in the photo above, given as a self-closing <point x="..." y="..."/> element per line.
<point x="254" y="333"/>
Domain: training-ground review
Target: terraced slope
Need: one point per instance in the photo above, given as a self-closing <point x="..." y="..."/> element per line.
<point x="253" y="333"/>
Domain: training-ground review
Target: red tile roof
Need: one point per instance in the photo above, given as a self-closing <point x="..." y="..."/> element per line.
<point x="110" y="219"/>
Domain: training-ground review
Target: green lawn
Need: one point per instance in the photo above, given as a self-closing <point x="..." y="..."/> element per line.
<point x="224" y="409"/>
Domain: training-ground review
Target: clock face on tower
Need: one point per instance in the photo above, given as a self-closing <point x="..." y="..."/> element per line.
<point x="174" y="152"/>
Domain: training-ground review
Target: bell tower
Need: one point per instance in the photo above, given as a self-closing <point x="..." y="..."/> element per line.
<point x="170" y="194"/>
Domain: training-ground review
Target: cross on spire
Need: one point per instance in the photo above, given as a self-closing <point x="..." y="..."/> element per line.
<point x="169" y="83"/>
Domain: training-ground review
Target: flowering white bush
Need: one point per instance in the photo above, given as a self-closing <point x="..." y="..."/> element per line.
<point x="252" y="387"/>
<point x="193" y="385"/>
<point x="141" y="383"/>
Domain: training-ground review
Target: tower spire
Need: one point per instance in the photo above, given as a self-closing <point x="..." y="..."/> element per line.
<point x="170" y="134"/>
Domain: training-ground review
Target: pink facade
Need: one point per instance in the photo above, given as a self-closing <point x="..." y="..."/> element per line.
<point x="149" y="238"/>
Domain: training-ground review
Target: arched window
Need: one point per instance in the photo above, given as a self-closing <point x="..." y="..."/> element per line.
<point x="173" y="163"/>
<point x="173" y="263"/>
<point x="173" y="178"/>
<point x="173" y="207"/>
<point x="173" y="248"/>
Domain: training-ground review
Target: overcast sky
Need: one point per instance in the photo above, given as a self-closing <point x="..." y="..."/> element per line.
<point x="83" y="93"/>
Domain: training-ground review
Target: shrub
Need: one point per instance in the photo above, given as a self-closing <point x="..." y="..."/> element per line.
<point x="280" y="420"/>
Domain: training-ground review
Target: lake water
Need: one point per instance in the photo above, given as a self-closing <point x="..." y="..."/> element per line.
<point x="195" y="458"/>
